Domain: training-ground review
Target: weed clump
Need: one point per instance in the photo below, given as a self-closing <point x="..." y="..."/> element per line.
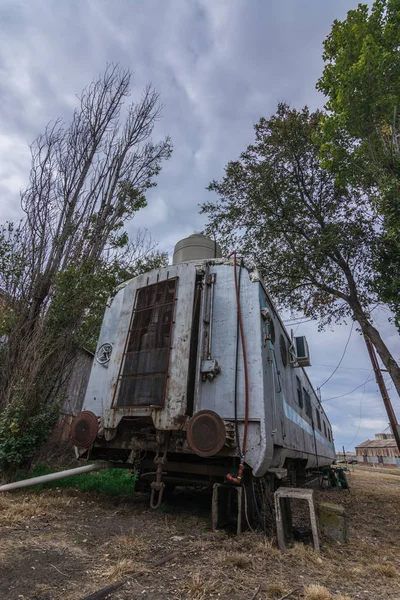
<point x="317" y="592"/>
<point x="275" y="590"/>
<point x="385" y="570"/>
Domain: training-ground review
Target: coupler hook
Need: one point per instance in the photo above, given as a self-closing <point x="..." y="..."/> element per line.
<point x="158" y="485"/>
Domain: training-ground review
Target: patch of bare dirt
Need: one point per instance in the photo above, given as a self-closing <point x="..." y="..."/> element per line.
<point x="66" y="544"/>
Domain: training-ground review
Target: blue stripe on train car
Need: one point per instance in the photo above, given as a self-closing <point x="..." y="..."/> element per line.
<point x="298" y="419"/>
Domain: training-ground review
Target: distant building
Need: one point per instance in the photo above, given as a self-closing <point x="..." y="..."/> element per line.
<point x="380" y="452"/>
<point x="346" y="456"/>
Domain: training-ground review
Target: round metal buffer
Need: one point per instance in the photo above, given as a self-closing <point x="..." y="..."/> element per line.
<point x="84" y="429"/>
<point x="206" y="433"/>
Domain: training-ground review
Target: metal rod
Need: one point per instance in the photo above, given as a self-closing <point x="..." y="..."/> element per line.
<point x="52" y="477"/>
<point x="210" y="325"/>
<point x="206" y="315"/>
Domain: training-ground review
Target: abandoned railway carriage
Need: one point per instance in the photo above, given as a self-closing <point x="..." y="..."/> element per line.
<point x="196" y="379"/>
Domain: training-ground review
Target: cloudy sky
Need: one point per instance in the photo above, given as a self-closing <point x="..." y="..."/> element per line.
<point x="219" y="65"/>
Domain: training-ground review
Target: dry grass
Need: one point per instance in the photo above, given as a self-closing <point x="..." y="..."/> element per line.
<point x="236" y="560"/>
<point x="385" y="570"/>
<point x="4" y="502"/>
<point x="197" y="588"/>
<point x="305" y="555"/>
<point x="267" y="548"/>
<point x="275" y="590"/>
<point x="63" y="529"/>
<point x="125" y="546"/>
<point x="200" y="545"/>
<point x="7" y="548"/>
<point x="122" y="568"/>
<point x="44" y="588"/>
<point x="14" y="510"/>
<point x="320" y="592"/>
<point x="317" y="592"/>
<point x="354" y="572"/>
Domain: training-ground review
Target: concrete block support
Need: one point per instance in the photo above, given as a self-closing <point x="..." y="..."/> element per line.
<point x="283" y="497"/>
<point x="227" y="506"/>
<point x="333" y="521"/>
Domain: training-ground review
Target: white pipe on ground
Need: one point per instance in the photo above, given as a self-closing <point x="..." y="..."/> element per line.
<point x="52" y="477"/>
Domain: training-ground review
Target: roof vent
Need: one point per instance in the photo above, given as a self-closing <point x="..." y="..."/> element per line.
<point x="196" y="247"/>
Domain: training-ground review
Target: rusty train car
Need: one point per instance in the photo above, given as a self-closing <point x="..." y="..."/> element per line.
<point x="197" y="381"/>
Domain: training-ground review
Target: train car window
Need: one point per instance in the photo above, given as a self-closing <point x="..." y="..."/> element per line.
<point x="283" y="348"/>
<point x="143" y="376"/>
<point x="318" y="419"/>
<point x="299" y="393"/>
<point x="326" y="434"/>
<point x="307" y="403"/>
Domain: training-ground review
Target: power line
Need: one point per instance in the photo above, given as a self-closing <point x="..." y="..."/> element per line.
<point x="342" y="357"/>
<point x="348" y="393"/>
<point x="347" y="368"/>
<point x="288" y="324"/>
<point x="359" y="423"/>
<point x="293" y="319"/>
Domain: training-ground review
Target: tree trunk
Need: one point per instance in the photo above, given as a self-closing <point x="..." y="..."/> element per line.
<point x="385" y="355"/>
<point x="384" y="393"/>
<point x="367" y="328"/>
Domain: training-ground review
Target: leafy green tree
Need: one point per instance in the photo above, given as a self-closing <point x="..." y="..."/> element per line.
<point x="361" y="130"/>
<point x="312" y="238"/>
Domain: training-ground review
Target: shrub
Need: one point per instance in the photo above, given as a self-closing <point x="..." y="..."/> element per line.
<point x="21" y="435"/>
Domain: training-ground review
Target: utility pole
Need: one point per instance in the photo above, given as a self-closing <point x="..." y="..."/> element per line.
<point x="344" y="454"/>
<point x="384" y="393"/>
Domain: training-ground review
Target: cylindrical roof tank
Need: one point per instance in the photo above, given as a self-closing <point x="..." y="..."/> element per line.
<point x="195" y="247"/>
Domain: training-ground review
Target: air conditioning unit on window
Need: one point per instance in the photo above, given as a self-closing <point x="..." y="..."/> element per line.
<point x="302" y="352"/>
